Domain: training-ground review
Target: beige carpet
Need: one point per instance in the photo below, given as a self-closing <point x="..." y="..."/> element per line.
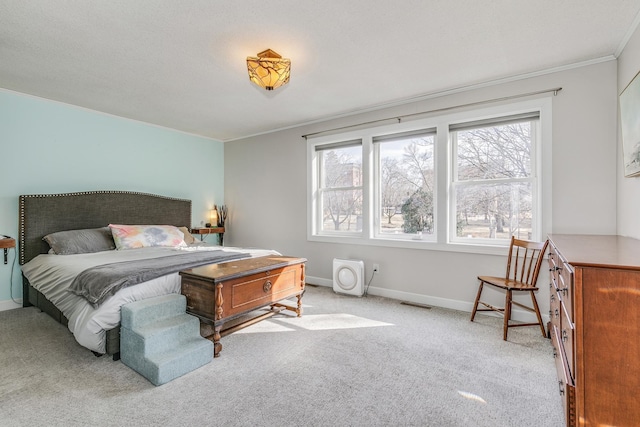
<point x="347" y="362"/>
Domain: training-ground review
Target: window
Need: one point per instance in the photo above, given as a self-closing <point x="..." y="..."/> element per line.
<point x="405" y="184"/>
<point x="463" y="181"/>
<point x="340" y="187"/>
<point x="493" y="186"/>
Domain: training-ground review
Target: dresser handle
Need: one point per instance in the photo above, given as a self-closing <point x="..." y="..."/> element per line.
<point x="561" y="387"/>
<point x="267" y="286"/>
<point x="565" y="336"/>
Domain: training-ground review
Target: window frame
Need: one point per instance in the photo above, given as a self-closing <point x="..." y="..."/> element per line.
<point x="321" y="190"/>
<point x="533" y="177"/>
<point x="377" y="185"/>
<point x="444" y="156"/>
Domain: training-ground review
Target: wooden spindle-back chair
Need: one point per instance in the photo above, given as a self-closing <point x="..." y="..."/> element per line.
<point x="523" y="267"/>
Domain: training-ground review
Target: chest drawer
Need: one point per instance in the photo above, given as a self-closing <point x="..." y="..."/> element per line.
<point x="566" y="385"/>
<point x="561" y="304"/>
<point x="566" y="334"/>
<point x="565" y="287"/>
<point x="552" y="259"/>
<point x="260" y="289"/>
<point x="555" y="310"/>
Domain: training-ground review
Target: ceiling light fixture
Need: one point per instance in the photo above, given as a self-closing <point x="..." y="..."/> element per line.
<point x="269" y="70"/>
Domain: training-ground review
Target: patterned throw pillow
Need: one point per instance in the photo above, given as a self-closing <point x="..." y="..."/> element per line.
<point x="143" y="236"/>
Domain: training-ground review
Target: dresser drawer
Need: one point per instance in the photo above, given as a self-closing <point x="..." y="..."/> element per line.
<point x="553" y="259"/>
<point x="566" y="385"/>
<point x="555" y="310"/>
<point x="567" y="336"/>
<point x="261" y="289"/>
<point x="560" y="319"/>
<point x="554" y="267"/>
<point x="565" y="287"/>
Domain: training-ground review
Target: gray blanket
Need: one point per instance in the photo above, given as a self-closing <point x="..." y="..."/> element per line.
<point x="97" y="283"/>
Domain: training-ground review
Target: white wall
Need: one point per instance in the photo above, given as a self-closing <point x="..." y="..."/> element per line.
<point x="265" y="188"/>
<point x="49" y="147"/>
<point x="628" y="188"/>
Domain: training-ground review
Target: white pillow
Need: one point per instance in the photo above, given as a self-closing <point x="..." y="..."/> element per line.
<point x="188" y="237"/>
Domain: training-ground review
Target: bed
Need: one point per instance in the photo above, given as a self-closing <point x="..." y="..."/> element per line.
<point x="47" y="276"/>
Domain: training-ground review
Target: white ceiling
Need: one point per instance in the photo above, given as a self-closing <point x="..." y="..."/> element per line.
<point x="181" y="64"/>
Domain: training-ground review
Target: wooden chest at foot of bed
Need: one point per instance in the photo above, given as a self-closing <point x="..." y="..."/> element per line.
<point x="219" y="293"/>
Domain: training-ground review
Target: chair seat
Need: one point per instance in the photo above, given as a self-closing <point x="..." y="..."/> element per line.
<point x="503" y="283"/>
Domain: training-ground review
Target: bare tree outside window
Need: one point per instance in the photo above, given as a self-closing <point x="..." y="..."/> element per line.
<point x="407" y="185"/>
<point x="493" y="185"/>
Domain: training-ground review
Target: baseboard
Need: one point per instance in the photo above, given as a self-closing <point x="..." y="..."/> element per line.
<point x="10" y="305"/>
<point x="517" y="314"/>
<point x="318" y="281"/>
<point x="467" y="306"/>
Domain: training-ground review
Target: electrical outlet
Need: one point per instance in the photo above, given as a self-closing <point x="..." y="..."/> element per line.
<point x="376" y="268"/>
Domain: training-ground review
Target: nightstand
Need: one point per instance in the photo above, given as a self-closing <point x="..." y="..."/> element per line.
<point x="210" y="230"/>
<point x="7" y="243"/>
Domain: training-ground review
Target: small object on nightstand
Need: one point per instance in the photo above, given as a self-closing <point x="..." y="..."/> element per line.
<point x="213" y="217"/>
<point x="6" y="243"/>
<point x="222" y="215"/>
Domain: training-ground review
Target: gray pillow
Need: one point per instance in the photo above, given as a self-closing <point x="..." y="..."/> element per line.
<point x="80" y="241"/>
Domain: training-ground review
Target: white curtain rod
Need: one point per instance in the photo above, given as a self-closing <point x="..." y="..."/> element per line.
<point x="437" y="110"/>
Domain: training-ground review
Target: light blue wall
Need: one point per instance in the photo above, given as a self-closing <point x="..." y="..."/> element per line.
<point x="48" y="147"/>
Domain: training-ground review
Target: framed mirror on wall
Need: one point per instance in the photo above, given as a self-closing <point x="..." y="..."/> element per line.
<point x="630" y="122"/>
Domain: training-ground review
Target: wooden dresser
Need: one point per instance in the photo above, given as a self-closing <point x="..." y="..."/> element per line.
<point x="595" y="327"/>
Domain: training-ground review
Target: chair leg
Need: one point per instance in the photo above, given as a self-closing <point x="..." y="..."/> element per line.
<point x="475" y="305"/>
<point x="537" y="310"/>
<point x="507" y="314"/>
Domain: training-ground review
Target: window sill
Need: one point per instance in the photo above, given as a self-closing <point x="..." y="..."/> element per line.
<point x="498" y="249"/>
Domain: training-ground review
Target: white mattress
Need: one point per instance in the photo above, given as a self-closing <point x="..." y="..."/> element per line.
<point x="52" y="275"/>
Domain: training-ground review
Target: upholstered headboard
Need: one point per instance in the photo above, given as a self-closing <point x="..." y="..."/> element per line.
<point x="42" y="214"/>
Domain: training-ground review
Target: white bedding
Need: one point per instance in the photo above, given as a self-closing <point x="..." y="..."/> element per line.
<point x="52" y="275"/>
